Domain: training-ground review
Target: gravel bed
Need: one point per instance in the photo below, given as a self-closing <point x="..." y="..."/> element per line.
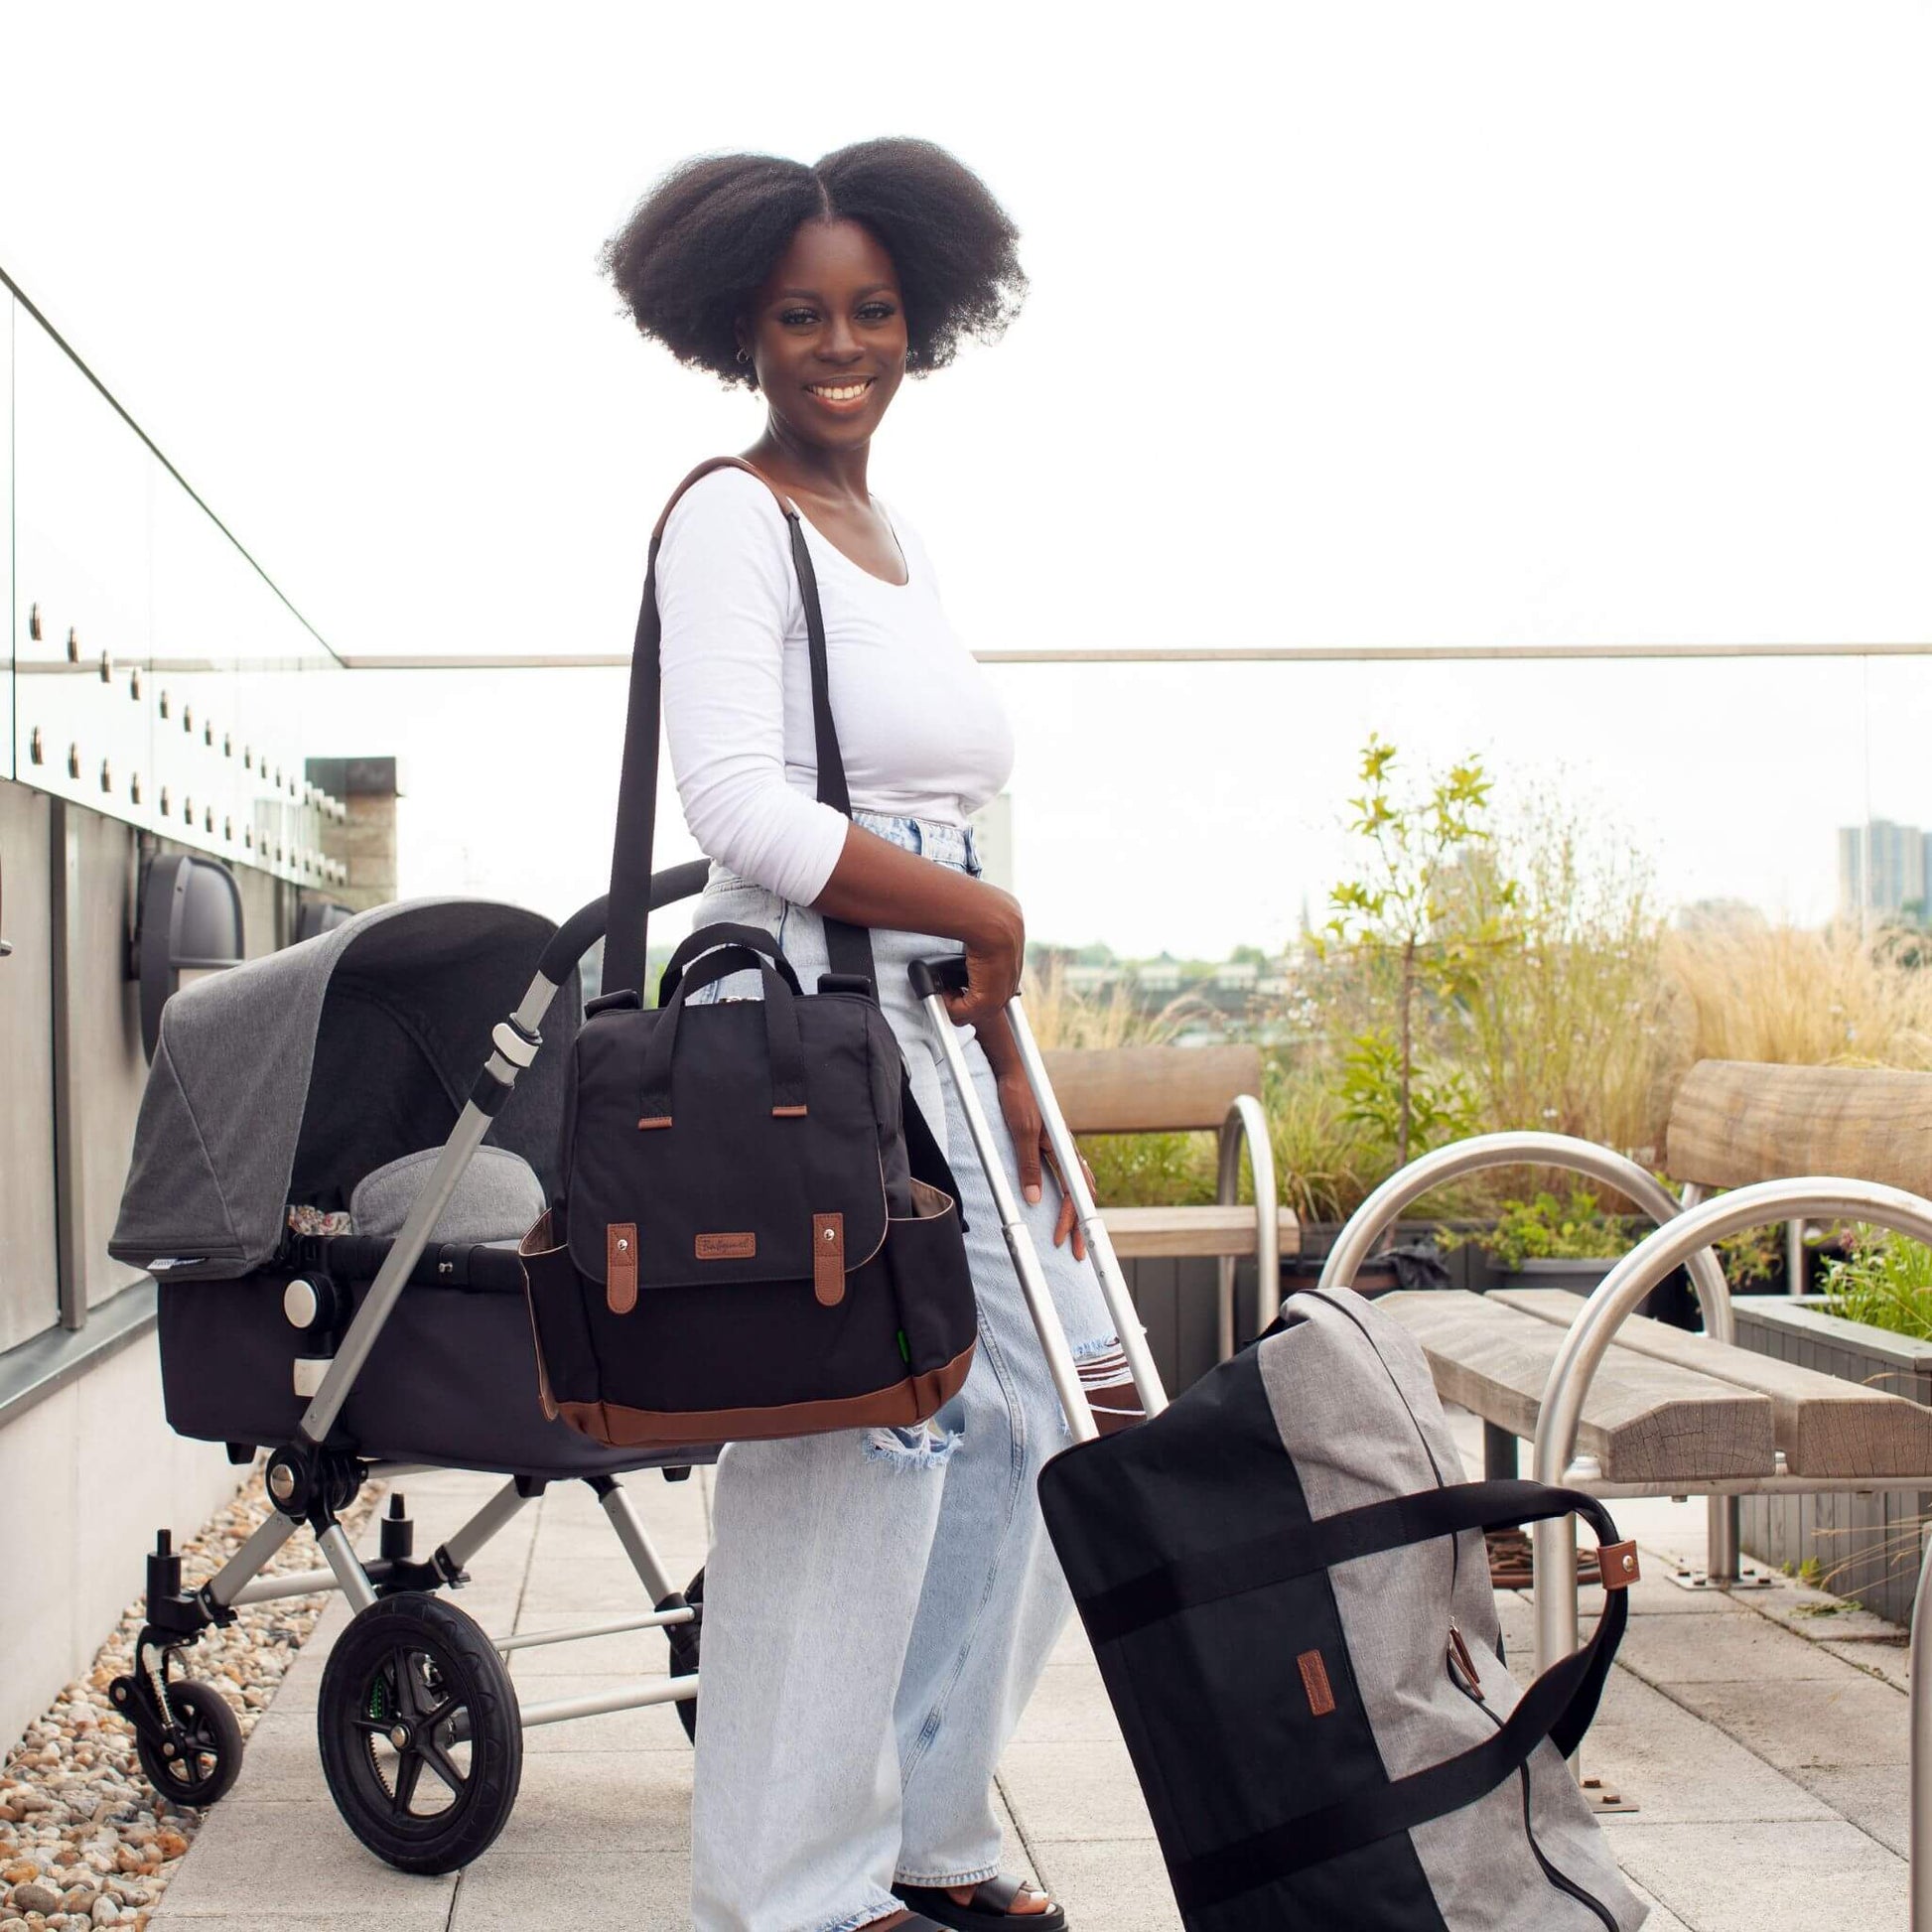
<point x="85" y="1839"/>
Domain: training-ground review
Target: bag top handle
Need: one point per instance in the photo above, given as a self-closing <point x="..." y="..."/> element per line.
<point x="625" y="935"/>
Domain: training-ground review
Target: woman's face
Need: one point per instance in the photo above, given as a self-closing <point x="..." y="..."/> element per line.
<point x="827" y="335"/>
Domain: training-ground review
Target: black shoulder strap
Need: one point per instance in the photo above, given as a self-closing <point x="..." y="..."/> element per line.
<point x="625" y="936"/>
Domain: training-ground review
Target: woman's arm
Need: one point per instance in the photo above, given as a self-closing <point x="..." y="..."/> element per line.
<point x="877" y="884"/>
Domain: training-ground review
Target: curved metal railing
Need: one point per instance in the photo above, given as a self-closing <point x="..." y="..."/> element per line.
<point x="1247" y="1123"/>
<point x="1583" y="1347"/>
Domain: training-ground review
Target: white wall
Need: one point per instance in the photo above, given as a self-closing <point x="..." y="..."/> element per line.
<point x="86" y="1476"/>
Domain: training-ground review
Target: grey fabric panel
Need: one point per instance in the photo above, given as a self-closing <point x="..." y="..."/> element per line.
<point x="410" y="990"/>
<point x="173" y="1206"/>
<point x="497" y="1198"/>
<point x="1351" y="1393"/>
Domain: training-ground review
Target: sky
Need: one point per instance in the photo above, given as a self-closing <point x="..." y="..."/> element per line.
<point x="1370" y="324"/>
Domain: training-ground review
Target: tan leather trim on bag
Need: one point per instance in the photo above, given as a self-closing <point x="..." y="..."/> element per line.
<point x="539" y="1241"/>
<point x="621" y="1266"/>
<point x="1315" y="1681"/>
<point x="726" y="1247"/>
<point x="900" y="1406"/>
<point x="655" y="1120"/>
<point x="788" y="1113"/>
<point x="1617" y="1563"/>
<point x="928" y="1201"/>
<point x="828" y="1259"/>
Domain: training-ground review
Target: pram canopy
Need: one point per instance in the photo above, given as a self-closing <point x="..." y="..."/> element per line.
<point x="292" y="1077"/>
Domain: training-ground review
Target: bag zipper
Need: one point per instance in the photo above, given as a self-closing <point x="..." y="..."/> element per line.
<point x="1462" y="1674"/>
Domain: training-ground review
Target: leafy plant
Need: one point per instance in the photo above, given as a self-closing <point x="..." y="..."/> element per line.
<point x="1572" y="1227"/>
<point x="1885" y="1280"/>
<point x="1417" y="941"/>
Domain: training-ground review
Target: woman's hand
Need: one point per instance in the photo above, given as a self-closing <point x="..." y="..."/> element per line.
<point x="1031" y="1150"/>
<point x="995" y="955"/>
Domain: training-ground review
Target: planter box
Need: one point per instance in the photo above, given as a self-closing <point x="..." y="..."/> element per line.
<point x="1867" y="1546"/>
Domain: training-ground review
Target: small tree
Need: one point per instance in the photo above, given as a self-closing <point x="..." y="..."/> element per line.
<point x="1421" y="939"/>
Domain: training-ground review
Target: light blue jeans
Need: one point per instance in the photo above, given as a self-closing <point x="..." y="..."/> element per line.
<point x="879" y="1602"/>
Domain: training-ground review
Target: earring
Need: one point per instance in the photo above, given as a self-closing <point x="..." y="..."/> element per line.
<point x="745" y="359"/>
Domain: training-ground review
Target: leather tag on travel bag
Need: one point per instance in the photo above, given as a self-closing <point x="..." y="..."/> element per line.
<point x="828" y="1259"/>
<point x="1315" y="1681"/>
<point x="727" y="1247"/>
<point x="621" y="1266"/>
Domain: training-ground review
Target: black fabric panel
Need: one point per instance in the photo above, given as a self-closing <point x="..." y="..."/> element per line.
<point x="452" y="1380"/>
<point x="1211" y="1703"/>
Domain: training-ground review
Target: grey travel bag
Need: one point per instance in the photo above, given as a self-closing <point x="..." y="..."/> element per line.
<point x="1285" y="1585"/>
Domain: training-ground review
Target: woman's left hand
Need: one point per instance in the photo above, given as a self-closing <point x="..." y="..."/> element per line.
<point x="1031" y="1150"/>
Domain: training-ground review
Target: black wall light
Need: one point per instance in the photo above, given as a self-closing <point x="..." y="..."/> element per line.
<point x="191" y="922"/>
<point x="314" y="917"/>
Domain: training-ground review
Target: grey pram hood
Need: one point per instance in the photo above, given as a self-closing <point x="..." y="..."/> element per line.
<point x="295" y="1076"/>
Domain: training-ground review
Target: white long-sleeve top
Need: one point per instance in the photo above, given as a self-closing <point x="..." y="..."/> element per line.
<point x="922" y="731"/>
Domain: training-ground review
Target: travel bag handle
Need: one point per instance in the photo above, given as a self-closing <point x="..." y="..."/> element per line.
<point x="751" y="937"/>
<point x="783" y="1039"/>
<point x="626" y="937"/>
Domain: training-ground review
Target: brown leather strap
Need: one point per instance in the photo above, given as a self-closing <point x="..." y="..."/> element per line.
<point x="621" y="1266"/>
<point x="828" y="1259"/>
<point x="1619" y="1563"/>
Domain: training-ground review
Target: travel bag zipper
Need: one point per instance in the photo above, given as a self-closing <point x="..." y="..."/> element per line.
<point x="1462" y="1674"/>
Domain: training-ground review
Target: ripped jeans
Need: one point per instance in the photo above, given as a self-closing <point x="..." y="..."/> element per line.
<point x="878" y="1603"/>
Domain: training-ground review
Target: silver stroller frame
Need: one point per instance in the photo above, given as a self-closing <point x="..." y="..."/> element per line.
<point x="308" y="1482"/>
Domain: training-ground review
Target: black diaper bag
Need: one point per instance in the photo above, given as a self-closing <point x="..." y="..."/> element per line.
<point x="757" y="1234"/>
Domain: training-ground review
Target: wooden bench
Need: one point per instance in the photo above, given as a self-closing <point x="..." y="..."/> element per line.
<point x="1629" y="1407"/>
<point x="1187" y="1089"/>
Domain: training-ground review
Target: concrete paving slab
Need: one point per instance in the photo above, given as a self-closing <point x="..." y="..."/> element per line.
<point x="1069" y="1707"/>
<point x="590" y="1806"/>
<point x="1846" y="1720"/>
<point x="1661" y="1918"/>
<point x="1064" y="1791"/>
<point x="644" y="1889"/>
<point x="1875" y="1798"/>
<point x="561" y="1593"/>
<point x="295" y="1857"/>
<point x="1824" y="1877"/>
<point x="1677" y="1769"/>
<point x="1708" y="1650"/>
<point x="1119" y="1884"/>
<point x="1887" y="1661"/>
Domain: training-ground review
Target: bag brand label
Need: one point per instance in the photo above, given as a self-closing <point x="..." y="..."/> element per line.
<point x="1315" y="1681"/>
<point x="727" y="1247"/>
<point x="621" y="1266"/>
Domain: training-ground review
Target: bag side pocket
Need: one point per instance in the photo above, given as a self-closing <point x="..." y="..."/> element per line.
<point x="566" y="1362"/>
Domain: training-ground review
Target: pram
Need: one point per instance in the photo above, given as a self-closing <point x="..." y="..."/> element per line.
<point x="298" y="1079"/>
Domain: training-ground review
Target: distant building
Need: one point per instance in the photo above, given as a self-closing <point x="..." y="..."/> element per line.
<point x="993" y="834"/>
<point x="1900" y="870"/>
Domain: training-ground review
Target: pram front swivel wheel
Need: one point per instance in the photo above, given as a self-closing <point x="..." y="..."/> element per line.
<point x="199" y="1768"/>
<point x="421" y="1739"/>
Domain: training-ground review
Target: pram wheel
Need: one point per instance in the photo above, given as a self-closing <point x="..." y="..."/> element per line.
<point x="211" y="1762"/>
<point x="413" y="1686"/>
<point x="685" y="1642"/>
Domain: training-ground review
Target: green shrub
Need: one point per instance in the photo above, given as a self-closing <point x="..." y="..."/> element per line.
<point x="1885" y="1281"/>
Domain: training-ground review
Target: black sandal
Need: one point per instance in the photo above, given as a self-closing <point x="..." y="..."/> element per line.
<point x="990" y="1910"/>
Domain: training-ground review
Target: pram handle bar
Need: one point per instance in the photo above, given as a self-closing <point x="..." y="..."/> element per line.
<point x="932" y="978"/>
<point x="584" y="928"/>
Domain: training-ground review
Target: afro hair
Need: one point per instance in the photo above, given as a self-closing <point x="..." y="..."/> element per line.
<point x="702" y="242"/>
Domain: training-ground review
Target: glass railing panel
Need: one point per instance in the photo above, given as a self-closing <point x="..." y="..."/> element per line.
<point x="82" y="553"/>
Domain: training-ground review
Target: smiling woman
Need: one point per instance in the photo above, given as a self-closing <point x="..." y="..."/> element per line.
<point x="878" y="1604"/>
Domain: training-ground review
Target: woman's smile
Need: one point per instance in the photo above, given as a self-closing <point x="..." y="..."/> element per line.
<point x="841" y="396"/>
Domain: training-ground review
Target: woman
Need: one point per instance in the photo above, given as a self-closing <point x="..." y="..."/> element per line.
<point x="878" y="1603"/>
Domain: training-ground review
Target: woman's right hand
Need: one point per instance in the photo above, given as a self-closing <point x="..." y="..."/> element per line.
<point x="995" y="955"/>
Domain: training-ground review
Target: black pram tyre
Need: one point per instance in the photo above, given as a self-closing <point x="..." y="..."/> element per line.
<point x="204" y="1773"/>
<point x="687" y="1639"/>
<point x="414" y="1686"/>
